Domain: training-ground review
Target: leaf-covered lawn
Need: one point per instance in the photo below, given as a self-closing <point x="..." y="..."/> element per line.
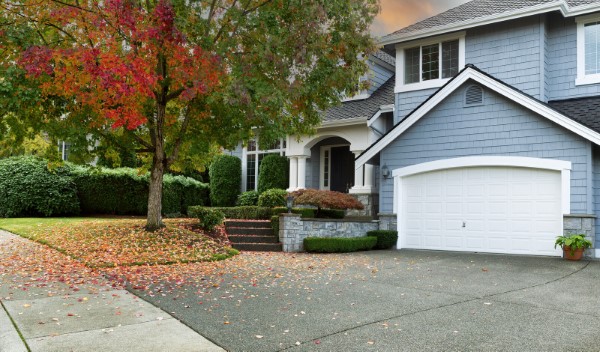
<point x="121" y="242"/>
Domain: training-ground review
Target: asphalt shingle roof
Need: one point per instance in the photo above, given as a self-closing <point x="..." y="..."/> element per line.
<point x="583" y="110"/>
<point x="365" y="108"/>
<point x="385" y="57"/>
<point x="478" y="9"/>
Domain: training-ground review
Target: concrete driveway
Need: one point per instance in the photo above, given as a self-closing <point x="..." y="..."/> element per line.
<point x="401" y="301"/>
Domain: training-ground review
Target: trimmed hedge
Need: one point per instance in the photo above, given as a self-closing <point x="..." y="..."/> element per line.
<point x="272" y="198"/>
<point x="339" y="244"/>
<point x="209" y="217"/>
<point x="225" y="175"/>
<point x="275" y="224"/>
<point x="248" y="198"/>
<point x="305" y="213"/>
<point x="29" y="188"/>
<point x="247" y="213"/>
<point x="386" y="239"/>
<point x="124" y="191"/>
<point x="272" y="173"/>
<point x="332" y="214"/>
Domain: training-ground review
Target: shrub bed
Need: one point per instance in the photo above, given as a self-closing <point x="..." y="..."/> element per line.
<point x="386" y="239"/>
<point x="247" y="213"/>
<point x="29" y="188"/>
<point x="248" y="198"/>
<point x="209" y="217"/>
<point x="225" y="175"/>
<point x="273" y="173"/>
<point x="305" y="213"/>
<point x="272" y="198"/>
<point x="339" y="244"/>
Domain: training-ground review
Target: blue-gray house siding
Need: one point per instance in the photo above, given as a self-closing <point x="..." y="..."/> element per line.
<point x="378" y="76"/>
<point x="498" y="127"/>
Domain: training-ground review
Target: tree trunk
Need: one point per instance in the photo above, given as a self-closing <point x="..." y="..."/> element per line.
<point x="154" y="218"/>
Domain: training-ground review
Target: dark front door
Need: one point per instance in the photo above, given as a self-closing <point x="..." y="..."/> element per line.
<point x="342" y="169"/>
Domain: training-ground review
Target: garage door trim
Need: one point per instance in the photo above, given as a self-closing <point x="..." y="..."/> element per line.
<point x="564" y="167"/>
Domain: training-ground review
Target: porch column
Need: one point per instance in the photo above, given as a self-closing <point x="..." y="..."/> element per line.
<point x="293" y="173"/>
<point x="368" y="176"/>
<point x="301" y="172"/>
<point x="358" y="176"/>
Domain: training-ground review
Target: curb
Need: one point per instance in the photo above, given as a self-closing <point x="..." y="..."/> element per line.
<point x="9" y="337"/>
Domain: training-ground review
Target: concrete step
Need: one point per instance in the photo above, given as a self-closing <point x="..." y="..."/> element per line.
<point x="249" y="231"/>
<point x="253" y="239"/>
<point x="258" y="247"/>
<point x="255" y="224"/>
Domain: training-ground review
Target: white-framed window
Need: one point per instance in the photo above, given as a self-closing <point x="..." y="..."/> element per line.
<point x="325" y="167"/>
<point x="429" y="63"/>
<point x="63" y="149"/>
<point x="252" y="156"/>
<point x="588" y="49"/>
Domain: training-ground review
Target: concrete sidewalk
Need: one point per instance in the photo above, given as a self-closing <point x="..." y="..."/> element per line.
<point x="55" y="317"/>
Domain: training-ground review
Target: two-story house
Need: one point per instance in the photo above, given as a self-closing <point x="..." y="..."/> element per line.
<point x="483" y="135"/>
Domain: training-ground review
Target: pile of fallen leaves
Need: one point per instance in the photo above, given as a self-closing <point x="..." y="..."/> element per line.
<point x="123" y="242"/>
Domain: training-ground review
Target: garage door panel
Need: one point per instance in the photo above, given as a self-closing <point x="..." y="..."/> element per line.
<point x="505" y="210"/>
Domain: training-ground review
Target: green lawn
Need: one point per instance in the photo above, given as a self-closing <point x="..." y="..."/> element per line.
<point x="26" y="226"/>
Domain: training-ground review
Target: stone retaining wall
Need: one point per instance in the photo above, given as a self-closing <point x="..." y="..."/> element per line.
<point x="293" y="230"/>
<point x="581" y="224"/>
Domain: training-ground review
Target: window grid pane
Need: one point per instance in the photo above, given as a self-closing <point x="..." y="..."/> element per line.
<point x="449" y="59"/>
<point x="592" y="56"/>
<point x="430" y="62"/>
<point x="326" y="168"/>
<point x="251" y="172"/>
<point x="411" y="66"/>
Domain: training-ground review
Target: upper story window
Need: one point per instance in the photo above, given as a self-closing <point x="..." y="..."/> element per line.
<point x="429" y="64"/>
<point x="588" y="50"/>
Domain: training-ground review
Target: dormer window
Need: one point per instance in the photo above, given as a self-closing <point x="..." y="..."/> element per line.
<point x="588" y="50"/>
<point x="429" y="64"/>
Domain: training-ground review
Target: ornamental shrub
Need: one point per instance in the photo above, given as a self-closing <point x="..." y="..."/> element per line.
<point x="28" y="187"/>
<point x="273" y="173"/>
<point x="304" y="212"/>
<point x="225" y="175"/>
<point x="386" y="239"/>
<point x="339" y="244"/>
<point x="209" y="217"/>
<point x="248" y="198"/>
<point x="332" y="213"/>
<point x="326" y="199"/>
<point x="248" y="213"/>
<point x="272" y="198"/>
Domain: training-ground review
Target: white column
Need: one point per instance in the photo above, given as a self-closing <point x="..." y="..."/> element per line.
<point x="368" y="176"/>
<point x="293" y="174"/>
<point x="358" y="176"/>
<point x="301" y="172"/>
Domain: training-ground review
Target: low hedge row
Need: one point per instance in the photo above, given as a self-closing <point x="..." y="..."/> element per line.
<point x="386" y="239"/>
<point x="246" y="212"/>
<point x="339" y="244"/>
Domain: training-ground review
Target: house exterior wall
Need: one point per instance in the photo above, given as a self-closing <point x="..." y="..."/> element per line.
<point x="378" y="75"/>
<point x="313" y="164"/>
<point x="562" y="61"/>
<point x="596" y="192"/>
<point x="498" y="127"/>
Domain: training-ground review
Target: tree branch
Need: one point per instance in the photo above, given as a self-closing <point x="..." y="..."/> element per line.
<point x="181" y="135"/>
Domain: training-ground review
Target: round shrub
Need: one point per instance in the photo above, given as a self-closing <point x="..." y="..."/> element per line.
<point x="248" y="198"/>
<point x="272" y="198"/>
<point x="209" y="218"/>
<point x="225" y="175"/>
<point x="272" y="173"/>
<point x="29" y="188"/>
<point x="386" y="239"/>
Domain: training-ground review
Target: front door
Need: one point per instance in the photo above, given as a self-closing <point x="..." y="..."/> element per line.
<point x="342" y="169"/>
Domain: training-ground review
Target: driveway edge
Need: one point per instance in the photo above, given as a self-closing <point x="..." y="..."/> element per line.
<point x="10" y="340"/>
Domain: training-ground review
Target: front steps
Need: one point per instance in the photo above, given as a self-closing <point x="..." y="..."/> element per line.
<point x="252" y="236"/>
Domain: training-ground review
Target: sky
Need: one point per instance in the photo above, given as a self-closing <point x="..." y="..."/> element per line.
<point x="396" y="14"/>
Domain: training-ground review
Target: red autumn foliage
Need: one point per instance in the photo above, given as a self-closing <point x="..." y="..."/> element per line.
<point x="326" y="199"/>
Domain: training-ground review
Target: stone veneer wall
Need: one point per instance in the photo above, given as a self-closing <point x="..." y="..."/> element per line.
<point x="293" y="230"/>
<point x="388" y="221"/>
<point x="581" y="224"/>
<point x="371" y="203"/>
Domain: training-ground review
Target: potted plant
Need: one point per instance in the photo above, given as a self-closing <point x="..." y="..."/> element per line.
<point x="573" y="245"/>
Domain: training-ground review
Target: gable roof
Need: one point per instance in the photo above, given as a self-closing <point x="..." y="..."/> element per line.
<point x="481" y="12"/>
<point x="365" y="108"/>
<point x="470" y="72"/>
<point x="583" y="110"/>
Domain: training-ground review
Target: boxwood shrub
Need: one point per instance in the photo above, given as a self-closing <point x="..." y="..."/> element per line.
<point x="225" y="175"/>
<point x="29" y="188"/>
<point x="339" y="244"/>
<point x="209" y="217"/>
<point x="273" y="173"/>
<point x="386" y="239"/>
<point x="248" y="198"/>
<point x="305" y="213"/>
<point x="272" y="198"/>
<point x="248" y="213"/>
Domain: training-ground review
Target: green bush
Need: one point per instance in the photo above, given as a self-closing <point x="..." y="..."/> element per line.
<point x="209" y="218"/>
<point x="29" y="188"/>
<point x="124" y="191"/>
<point x="272" y="198"/>
<point x="305" y="213"/>
<point x="386" y="239"/>
<point x="332" y="214"/>
<point x="338" y="244"/>
<point x="225" y="175"/>
<point x="248" y="198"/>
<point x="272" y="173"/>
<point x="248" y="213"/>
<point x="275" y="224"/>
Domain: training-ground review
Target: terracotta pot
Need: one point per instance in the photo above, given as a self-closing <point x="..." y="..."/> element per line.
<point x="572" y="255"/>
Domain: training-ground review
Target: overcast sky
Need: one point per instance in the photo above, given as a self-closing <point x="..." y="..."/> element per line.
<point x="396" y="14"/>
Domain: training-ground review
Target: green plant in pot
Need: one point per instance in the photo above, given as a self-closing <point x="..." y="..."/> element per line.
<point x="573" y="245"/>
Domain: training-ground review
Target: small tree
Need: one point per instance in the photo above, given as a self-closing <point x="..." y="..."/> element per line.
<point x="225" y="178"/>
<point x="273" y="173"/>
<point x="326" y="200"/>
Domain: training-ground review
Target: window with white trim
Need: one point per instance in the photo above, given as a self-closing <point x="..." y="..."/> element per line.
<point x="429" y="64"/>
<point x="588" y="50"/>
<point x="253" y="158"/>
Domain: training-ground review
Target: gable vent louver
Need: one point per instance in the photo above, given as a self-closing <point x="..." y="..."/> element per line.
<point x="474" y="95"/>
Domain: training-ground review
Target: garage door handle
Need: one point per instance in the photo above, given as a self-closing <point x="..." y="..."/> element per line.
<point x="464" y="224"/>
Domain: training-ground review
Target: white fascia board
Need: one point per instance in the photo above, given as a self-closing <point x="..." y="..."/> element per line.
<point x="344" y="122"/>
<point x="500" y="88"/>
<point x="561" y="6"/>
<point x="382" y="109"/>
<point x="387" y="108"/>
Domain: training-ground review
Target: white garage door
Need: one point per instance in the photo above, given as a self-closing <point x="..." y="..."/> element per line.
<point x="482" y="209"/>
